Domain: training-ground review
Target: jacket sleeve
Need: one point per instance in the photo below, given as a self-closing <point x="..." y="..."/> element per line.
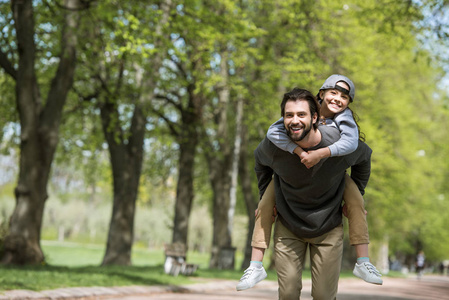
<point x="349" y="134"/>
<point x="277" y="134"/>
<point x="262" y="167"/>
<point x="361" y="167"/>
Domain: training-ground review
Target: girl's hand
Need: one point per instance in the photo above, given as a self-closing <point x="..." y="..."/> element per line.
<point x="311" y="159"/>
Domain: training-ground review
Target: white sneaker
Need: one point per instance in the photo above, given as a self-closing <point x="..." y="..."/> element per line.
<point x="367" y="272"/>
<point x="250" y="277"/>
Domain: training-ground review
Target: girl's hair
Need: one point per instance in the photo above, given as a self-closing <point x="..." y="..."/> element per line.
<point x="356" y="120"/>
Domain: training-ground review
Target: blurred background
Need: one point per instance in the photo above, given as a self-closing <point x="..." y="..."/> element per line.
<point x="132" y="124"/>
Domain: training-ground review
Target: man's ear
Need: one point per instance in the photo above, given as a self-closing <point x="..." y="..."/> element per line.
<point x="315" y="118"/>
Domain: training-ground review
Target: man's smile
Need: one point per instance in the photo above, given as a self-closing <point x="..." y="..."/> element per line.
<point x="296" y="128"/>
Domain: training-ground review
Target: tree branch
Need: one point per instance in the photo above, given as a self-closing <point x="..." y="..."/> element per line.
<point x="171" y="101"/>
<point x="7" y="66"/>
<point x="170" y="124"/>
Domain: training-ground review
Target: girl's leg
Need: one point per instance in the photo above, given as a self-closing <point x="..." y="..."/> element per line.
<point x="260" y="240"/>
<point x="263" y="223"/>
<point x="257" y="254"/>
<point x="358" y="232"/>
<point x="358" y="226"/>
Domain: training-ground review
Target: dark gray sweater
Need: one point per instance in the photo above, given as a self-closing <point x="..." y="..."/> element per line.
<point x="308" y="201"/>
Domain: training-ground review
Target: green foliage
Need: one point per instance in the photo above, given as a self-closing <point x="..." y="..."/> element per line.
<point x="269" y="47"/>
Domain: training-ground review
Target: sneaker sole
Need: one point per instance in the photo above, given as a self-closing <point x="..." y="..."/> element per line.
<point x="377" y="283"/>
<point x="246" y="288"/>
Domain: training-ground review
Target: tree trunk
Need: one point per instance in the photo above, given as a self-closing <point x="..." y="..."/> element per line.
<point x="235" y="164"/>
<point x="127" y="157"/>
<point x="184" y="191"/>
<point x="251" y="200"/>
<point x="220" y="165"/>
<point x="39" y="132"/>
<point x="126" y="161"/>
<point x="221" y="236"/>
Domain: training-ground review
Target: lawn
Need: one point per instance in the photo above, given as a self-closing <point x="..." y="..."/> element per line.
<point x="74" y="265"/>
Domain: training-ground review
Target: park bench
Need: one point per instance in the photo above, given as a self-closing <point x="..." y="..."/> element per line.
<point x="175" y="260"/>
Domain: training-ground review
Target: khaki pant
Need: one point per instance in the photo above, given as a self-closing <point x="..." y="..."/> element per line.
<point x="358" y="227"/>
<point x="325" y="262"/>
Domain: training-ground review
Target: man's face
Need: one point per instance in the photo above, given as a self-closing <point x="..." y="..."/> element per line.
<point x="297" y="119"/>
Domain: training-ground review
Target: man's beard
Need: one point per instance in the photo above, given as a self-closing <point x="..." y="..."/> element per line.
<point x="303" y="134"/>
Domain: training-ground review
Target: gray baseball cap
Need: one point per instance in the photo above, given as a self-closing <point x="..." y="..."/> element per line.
<point x="331" y="83"/>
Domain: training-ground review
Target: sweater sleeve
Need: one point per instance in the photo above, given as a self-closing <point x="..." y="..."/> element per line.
<point x="277" y="134"/>
<point x="349" y="134"/>
<point x="263" y="156"/>
<point x="361" y="167"/>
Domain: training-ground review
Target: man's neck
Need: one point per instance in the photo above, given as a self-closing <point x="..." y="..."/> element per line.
<point x="311" y="140"/>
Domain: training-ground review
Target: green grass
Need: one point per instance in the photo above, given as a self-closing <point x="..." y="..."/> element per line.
<point x="77" y="254"/>
<point x="75" y="265"/>
<point x="51" y="277"/>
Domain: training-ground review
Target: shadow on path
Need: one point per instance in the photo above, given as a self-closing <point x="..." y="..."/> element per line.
<point x="431" y="287"/>
<point x="428" y="288"/>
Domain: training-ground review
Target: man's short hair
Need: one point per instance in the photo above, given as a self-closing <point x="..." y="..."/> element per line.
<point x="305" y="95"/>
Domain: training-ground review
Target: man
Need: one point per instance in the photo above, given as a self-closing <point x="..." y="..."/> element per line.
<point x="308" y="201"/>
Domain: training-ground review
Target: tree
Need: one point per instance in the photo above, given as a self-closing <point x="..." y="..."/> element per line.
<point x="218" y="131"/>
<point x="126" y="75"/>
<point x="187" y="104"/>
<point x="249" y="196"/>
<point x="39" y="123"/>
<point x="179" y="104"/>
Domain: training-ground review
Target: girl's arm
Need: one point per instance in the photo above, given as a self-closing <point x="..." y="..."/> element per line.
<point x="349" y="133"/>
<point x="348" y="142"/>
<point x="311" y="158"/>
<point x="277" y="134"/>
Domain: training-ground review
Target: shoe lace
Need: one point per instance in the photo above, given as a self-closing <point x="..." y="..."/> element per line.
<point x="247" y="273"/>
<point x="372" y="269"/>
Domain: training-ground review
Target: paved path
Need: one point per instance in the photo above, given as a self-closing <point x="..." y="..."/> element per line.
<point x="430" y="287"/>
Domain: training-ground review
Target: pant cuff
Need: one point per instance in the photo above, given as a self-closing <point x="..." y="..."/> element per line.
<point x="259" y="245"/>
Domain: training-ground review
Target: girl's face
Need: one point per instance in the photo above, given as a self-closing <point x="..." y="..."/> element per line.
<point x="334" y="101"/>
